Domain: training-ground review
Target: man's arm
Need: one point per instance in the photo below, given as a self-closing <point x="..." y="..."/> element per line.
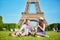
<point x="21" y="28"/>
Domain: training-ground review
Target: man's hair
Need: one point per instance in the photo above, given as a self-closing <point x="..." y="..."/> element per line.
<point x="26" y="21"/>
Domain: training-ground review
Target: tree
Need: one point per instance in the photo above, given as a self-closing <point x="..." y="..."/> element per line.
<point x="51" y="26"/>
<point x="56" y="26"/>
<point x="9" y="26"/>
<point x="1" y="23"/>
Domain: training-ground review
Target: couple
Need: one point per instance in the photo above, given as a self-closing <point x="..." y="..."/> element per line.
<point x="27" y="29"/>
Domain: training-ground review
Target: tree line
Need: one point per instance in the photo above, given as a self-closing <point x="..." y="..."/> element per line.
<point x="9" y="26"/>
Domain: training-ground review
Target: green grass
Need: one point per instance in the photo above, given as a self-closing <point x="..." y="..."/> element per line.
<point x="4" y="35"/>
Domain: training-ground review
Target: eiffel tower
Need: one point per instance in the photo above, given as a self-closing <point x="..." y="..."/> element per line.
<point x="30" y="16"/>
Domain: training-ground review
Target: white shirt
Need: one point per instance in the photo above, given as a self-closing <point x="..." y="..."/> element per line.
<point x="26" y="28"/>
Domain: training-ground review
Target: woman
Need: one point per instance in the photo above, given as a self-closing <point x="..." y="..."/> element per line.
<point x="26" y="28"/>
<point x="41" y="28"/>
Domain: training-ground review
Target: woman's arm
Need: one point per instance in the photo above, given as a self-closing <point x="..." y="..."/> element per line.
<point x="43" y="29"/>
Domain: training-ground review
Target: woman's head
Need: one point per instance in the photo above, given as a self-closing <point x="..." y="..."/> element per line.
<point x="41" y="21"/>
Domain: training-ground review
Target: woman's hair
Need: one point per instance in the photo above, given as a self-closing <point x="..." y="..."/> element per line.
<point x="41" y="22"/>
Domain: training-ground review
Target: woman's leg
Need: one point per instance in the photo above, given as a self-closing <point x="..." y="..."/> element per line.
<point x="42" y="33"/>
<point x="39" y="34"/>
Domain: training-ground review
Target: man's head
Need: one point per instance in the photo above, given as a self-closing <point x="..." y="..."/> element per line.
<point x="27" y="21"/>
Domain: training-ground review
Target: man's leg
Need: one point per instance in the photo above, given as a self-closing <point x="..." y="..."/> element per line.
<point x="24" y="34"/>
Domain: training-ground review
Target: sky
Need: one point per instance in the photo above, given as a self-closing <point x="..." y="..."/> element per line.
<point x="11" y="10"/>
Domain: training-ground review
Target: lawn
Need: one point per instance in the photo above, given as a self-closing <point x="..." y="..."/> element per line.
<point x="4" y="35"/>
